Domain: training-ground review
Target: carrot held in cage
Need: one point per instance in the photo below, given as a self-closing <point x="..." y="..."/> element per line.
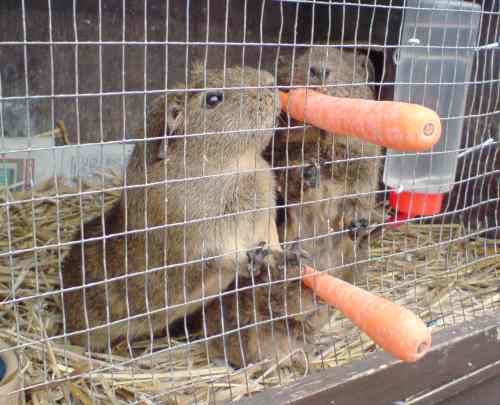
<point x="397" y="125"/>
<point x="418" y="186"/>
<point x="394" y="328"/>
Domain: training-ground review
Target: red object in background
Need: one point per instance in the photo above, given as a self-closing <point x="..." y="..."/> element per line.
<point x="410" y="204"/>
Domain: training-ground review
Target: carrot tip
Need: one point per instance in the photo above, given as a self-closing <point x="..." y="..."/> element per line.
<point x="429" y="129"/>
<point x="422" y="348"/>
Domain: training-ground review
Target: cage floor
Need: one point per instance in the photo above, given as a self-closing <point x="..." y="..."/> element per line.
<point x="437" y="270"/>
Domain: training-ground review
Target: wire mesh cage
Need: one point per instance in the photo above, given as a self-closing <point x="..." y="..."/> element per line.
<point x="156" y="206"/>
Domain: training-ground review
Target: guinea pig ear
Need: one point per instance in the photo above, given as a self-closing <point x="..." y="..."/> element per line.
<point x="174" y="113"/>
<point x="283" y="77"/>
<point x="284" y="67"/>
<point x="168" y="117"/>
<point x="163" y="111"/>
<point x="156" y="118"/>
<point x="283" y="72"/>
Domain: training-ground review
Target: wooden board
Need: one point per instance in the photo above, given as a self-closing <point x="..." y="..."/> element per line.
<point x="462" y="359"/>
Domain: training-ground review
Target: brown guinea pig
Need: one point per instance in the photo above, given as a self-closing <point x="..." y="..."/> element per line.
<point x="180" y="232"/>
<point x="326" y="182"/>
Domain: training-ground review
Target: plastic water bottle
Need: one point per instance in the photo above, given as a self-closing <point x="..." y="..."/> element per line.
<point x="433" y="68"/>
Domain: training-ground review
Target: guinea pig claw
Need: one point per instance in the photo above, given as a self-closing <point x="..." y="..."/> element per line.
<point x="358" y="228"/>
<point x="295" y="253"/>
<point x="311" y="176"/>
<point x="256" y="258"/>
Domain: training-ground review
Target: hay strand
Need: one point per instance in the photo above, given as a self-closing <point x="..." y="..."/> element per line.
<point x="435" y="270"/>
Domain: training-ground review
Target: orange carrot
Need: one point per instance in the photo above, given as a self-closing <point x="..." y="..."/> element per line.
<point x="394" y="328"/>
<point x="396" y="125"/>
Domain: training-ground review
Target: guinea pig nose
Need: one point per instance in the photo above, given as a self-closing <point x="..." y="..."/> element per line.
<point x="313" y="70"/>
<point x="319" y="73"/>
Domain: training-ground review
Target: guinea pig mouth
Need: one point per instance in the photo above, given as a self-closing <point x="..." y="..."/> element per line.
<point x="322" y="89"/>
<point x="285" y="88"/>
<point x="287" y="121"/>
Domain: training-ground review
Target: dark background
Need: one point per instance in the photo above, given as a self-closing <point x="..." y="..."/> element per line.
<point x="187" y="22"/>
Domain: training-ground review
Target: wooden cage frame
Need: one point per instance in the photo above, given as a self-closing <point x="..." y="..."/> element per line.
<point x="462" y="368"/>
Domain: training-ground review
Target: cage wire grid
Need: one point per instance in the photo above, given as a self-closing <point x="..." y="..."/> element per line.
<point x="88" y="71"/>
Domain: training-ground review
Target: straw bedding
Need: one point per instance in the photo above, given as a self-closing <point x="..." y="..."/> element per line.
<point x="446" y="277"/>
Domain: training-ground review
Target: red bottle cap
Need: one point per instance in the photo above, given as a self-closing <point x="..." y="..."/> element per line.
<point x="409" y="204"/>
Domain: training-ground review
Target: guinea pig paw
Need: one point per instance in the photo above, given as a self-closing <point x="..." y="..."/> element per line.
<point x="311" y="176"/>
<point x="358" y="228"/>
<point x="257" y="259"/>
<point x="297" y="253"/>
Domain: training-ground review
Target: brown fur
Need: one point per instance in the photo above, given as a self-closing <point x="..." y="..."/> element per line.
<point x="268" y="317"/>
<point x="341" y="179"/>
<point x="146" y="298"/>
<point x="239" y="323"/>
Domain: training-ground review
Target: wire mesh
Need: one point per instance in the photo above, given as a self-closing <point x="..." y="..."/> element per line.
<point x="144" y="161"/>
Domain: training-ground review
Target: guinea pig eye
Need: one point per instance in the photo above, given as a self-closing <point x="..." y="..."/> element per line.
<point x="214" y="98"/>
